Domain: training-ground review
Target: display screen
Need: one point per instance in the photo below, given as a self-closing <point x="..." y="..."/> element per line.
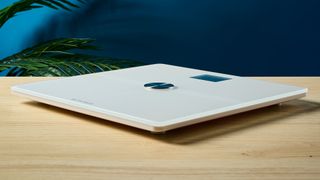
<point x="212" y="78"/>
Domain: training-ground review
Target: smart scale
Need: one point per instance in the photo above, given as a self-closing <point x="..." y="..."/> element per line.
<point x="159" y="97"/>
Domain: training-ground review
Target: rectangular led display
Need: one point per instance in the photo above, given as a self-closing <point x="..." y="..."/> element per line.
<point x="207" y="77"/>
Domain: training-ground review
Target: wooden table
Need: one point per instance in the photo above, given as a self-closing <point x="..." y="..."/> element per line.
<point x="42" y="142"/>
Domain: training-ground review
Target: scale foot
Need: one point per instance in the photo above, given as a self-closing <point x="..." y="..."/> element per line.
<point x="162" y="132"/>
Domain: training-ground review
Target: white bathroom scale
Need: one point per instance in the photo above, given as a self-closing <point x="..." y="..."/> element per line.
<point x="159" y="97"/>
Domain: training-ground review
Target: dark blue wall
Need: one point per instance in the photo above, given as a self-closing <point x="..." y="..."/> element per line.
<point x="242" y="37"/>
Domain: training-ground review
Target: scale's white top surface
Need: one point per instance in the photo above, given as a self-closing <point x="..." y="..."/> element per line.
<point x="159" y="97"/>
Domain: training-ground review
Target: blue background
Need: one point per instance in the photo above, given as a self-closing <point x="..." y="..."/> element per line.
<point x="247" y="37"/>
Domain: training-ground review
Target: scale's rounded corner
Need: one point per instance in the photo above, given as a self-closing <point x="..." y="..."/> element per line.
<point x="158" y="128"/>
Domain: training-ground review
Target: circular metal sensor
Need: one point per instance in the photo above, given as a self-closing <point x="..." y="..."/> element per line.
<point x="159" y="85"/>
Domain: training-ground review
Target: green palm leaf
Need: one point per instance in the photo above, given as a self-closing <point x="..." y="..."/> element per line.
<point x="61" y="67"/>
<point x="55" y="48"/>
<point x="26" y="5"/>
<point x="53" y="58"/>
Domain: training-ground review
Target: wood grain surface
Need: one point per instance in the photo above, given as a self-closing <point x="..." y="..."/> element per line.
<point x="38" y="141"/>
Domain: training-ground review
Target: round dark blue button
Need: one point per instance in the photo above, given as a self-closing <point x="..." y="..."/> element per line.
<point x="159" y="85"/>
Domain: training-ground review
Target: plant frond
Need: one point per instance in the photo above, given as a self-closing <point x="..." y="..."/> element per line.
<point x="53" y="58"/>
<point x="65" y="67"/>
<point x="57" y="48"/>
<point x="26" y="5"/>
